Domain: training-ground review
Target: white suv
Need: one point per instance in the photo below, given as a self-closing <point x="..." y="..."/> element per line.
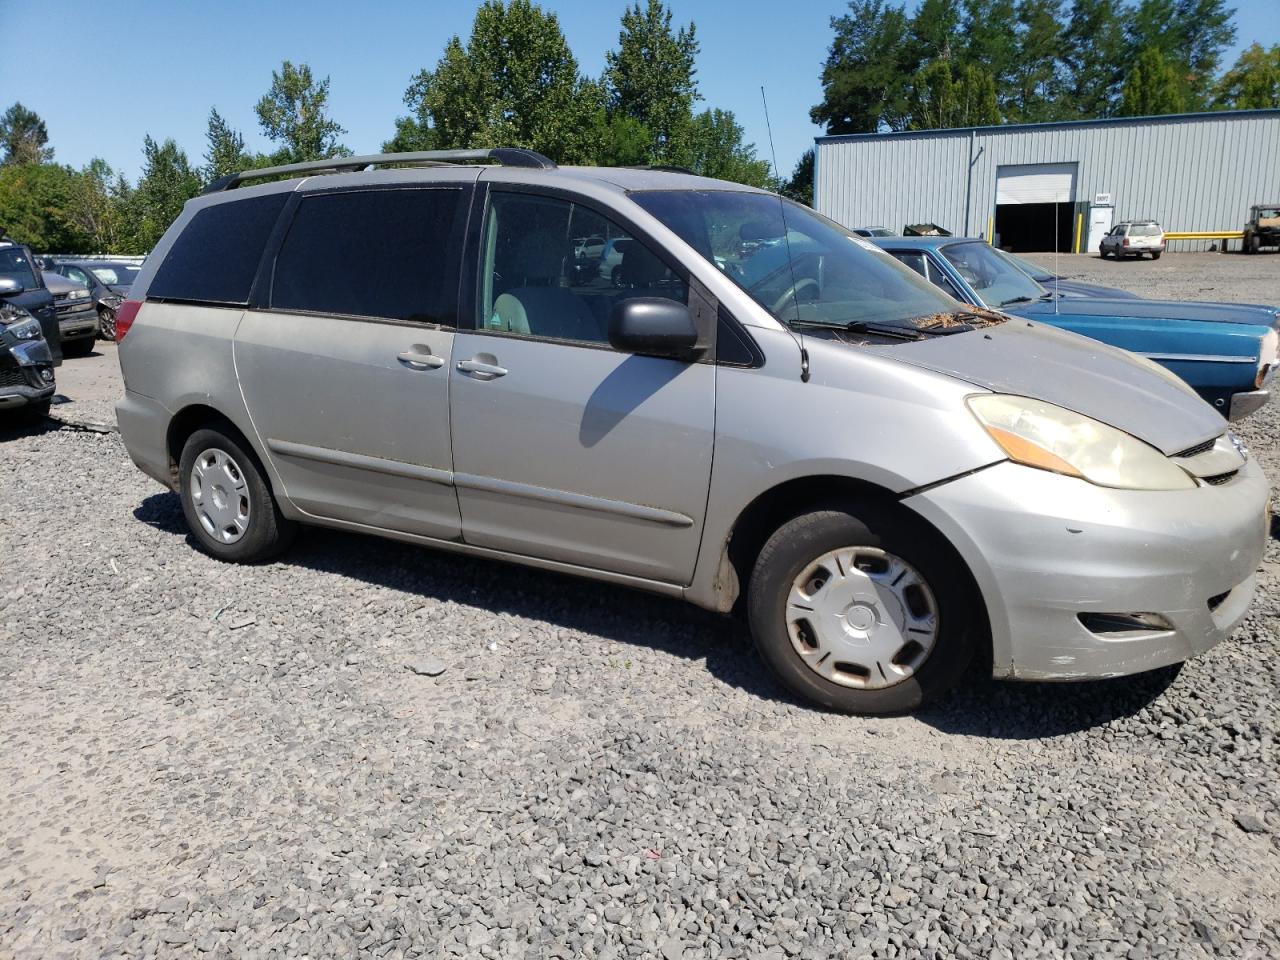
<point x="1133" y="238"/>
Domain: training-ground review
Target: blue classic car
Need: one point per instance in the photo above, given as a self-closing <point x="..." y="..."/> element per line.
<point x="1226" y="352"/>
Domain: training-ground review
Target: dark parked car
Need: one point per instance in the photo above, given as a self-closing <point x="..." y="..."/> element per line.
<point x="77" y="319"/>
<point x="1225" y="352"/>
<point x="1263" y="228"/>
<point x="108" y="282"/>
<point x="26" y="364"/>
<point x="17" y="264"/>
<point x="873" y="231"/>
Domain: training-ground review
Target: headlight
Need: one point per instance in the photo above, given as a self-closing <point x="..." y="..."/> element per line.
<point x="1050" y="437"/>
<point x="78" y="293"/>
<point x="28" y="329"/>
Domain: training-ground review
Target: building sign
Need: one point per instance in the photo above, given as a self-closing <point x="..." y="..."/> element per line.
<point x="1102" y="200"/>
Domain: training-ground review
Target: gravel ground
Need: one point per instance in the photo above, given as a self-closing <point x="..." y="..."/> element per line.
<point x="372" y="748"/>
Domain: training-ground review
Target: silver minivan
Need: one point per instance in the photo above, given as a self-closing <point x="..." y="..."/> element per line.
<point x="754" y="410"/>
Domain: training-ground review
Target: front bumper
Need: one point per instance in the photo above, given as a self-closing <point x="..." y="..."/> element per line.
<point x="1046" y="549"/>
<point x="79" y="323"/>
<point x="1243" y="404"/>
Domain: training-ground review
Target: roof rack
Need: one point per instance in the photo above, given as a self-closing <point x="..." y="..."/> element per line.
<point x="506" y="156"/>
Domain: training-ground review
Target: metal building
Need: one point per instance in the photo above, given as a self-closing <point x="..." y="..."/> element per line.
<point x="1042" y="186"/>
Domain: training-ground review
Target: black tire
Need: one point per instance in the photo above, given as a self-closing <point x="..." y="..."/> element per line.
<point x="78" y="348"/>
<point x="267" y="533"/>
<point x="800" y="541"/>
<point x="107" y="323"/>
<point x="1102" y="251"/>
<point x="1155" y="255"/>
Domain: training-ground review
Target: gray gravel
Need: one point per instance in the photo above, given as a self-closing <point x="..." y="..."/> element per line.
<point x="207" y="760"/>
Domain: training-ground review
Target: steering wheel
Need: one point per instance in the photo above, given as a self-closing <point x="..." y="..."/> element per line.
<point x="792" y="294"/>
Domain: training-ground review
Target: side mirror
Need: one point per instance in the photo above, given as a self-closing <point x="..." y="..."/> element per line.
<point x="654" y="327"/>
<point x="10" y="287"/>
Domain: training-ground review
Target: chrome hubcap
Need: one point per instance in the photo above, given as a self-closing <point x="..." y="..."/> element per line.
<point x="220" y="495"/>
<point x="862" y="618"/>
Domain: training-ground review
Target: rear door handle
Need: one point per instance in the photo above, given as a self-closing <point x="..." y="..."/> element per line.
<point x="420" y="358"/>
<point x="481" y="369"/>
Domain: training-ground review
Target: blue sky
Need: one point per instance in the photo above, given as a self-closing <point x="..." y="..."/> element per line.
<point x="146" y="66"/>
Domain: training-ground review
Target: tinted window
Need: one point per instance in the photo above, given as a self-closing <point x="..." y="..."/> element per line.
<point x="14" y="265"/>
<point x="372" y="253"/>
<point x="216" y="257"/>
<point x="555" y="269"/>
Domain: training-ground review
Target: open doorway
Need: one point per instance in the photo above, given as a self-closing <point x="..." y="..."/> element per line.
<point x="1035" y="212"/>
<point x="1033" y="227"/>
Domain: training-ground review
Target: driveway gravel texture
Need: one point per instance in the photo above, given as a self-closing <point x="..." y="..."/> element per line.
<point x="368" y="748"/>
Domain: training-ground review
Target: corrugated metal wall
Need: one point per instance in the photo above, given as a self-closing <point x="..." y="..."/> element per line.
<point x="1191" y="172"/>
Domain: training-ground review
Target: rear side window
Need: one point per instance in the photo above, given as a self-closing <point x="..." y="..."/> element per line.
<point x="215" y="258"/>
<point x="386" y="254"/>
<point x="1144" y="230"/>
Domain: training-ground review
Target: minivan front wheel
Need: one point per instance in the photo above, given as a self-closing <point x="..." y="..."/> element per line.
<point x="861" y="612"/>
<point x="226" y="500"/>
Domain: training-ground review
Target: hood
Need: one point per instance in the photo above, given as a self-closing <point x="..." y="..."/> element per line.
<point x="1138" y="309"/>
<point x="1078" y="288"/>
<point x="1114" y="386"/>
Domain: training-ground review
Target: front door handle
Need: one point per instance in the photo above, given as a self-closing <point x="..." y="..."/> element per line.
<point x="420" y="358"/>
<point x="482" y="370"/>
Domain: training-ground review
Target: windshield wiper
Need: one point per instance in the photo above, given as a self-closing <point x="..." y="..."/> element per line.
<point x="861" y="326"/>
<point x="1005" y="303"/>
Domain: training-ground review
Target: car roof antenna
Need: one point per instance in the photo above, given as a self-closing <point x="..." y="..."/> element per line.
<point x="796" y="334"/>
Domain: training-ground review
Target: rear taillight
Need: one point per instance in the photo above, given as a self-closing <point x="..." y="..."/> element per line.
<point x="1126" y="241"/>
<point x="125" y="315"/>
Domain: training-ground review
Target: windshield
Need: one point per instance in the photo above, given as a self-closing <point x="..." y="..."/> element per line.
<point x="14" y="265"/>
<point x="1032" y="270"/>
<point x="832" y="277"/>
<point x="116" y="275"/>
<point x="993" y="278"/>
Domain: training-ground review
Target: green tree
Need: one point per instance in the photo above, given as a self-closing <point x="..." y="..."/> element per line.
<point x="933" y="31"/>
<point x="945" y="96"/>
<point x="36" y="202"/>
<point x="1191" y="35"/>
<point x="800" y="186"/>
<point x="168" y="181"/>
<point x="23" y="137"/>
<point x="1094" y="58"/>
<point x="1036" y="89"/>
<point x="715" y="149"/>
<point x="650" y="77"/>
<point x="97" y="207"/>
<point x="515" y="83"/>
<point x="294" y="113"/>
<point x="1253" y="82"/>
<point x="1152" y="87"/>
<point x="621" y="140"/>
<point x="225" y="152"/>
<point x="864" y="80"/>
<point x="990" y="31"/>
<point x="410" y="136"/>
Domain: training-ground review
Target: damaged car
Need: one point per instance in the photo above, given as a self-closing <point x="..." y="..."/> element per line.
<point x="1225" y="351"/>
<point x="26" y="363"/>
<point x="770" y="417"/>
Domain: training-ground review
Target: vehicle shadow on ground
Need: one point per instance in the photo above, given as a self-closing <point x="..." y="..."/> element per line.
<point x="504" y="589"/>
<point x="13" y="424"/>
<point x="984" y="707"/>
<point x="979" y="707"/>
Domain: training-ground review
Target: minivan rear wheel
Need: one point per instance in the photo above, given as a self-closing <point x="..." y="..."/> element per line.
<point x="226" y="501"/>
<point x="861" y="610"/>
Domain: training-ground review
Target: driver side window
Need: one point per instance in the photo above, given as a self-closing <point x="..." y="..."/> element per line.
<point x="555" y="269"/>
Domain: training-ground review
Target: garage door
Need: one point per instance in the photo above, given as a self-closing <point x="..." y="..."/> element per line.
<point x="1036" y="183"/>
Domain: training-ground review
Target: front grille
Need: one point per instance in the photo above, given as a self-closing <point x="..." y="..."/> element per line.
<point x="1220" y="479"/>
<point x="1198" y="449"/>
<point x="12" y="377"/>
<point x="60" y="296"/>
